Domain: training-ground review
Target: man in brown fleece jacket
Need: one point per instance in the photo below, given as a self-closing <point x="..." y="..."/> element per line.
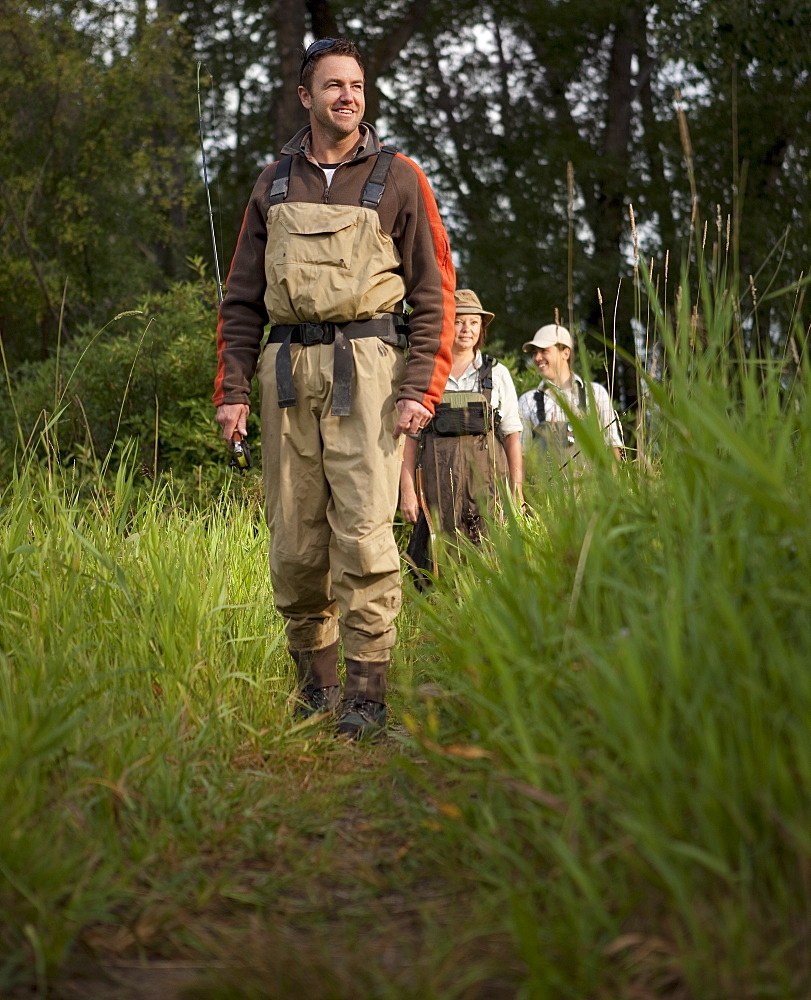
<point x="336" y="235"/>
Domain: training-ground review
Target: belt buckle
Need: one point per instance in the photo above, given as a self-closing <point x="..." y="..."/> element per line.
<point x="311" y="333"/>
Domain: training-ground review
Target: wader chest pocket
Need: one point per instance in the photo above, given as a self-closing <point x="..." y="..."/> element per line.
<point x="325" y="237"/>
<point x="453" y="421"/>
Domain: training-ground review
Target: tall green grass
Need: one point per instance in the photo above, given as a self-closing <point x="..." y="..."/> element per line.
<point x="139" y="652"/>
<point x="612" y="696"/>
<point x="626" y="697"/>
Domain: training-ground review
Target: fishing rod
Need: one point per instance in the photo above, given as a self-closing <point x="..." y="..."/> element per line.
<point x="208" y="193"/>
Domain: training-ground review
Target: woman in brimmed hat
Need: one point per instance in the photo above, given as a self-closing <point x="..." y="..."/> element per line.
<point x="474" y="441"/>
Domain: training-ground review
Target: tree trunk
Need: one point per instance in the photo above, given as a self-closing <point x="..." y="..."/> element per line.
<point x="322" y="19"/>
<point x="288" y="113"/>
<point x="609" y="216"/>
<point x="658" y="199"/>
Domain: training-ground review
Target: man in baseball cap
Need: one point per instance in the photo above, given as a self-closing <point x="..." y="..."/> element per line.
<point x="544" y="419"/>
<point x="548" y="336"/>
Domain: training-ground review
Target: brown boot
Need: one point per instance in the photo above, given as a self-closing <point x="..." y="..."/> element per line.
<point x="363" y="709"/>
<point x="319" y="689"/>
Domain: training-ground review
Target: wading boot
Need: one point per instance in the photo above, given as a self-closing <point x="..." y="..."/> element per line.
<point x="319" y="689"/>
<point x="362" y="714"/>
<point x="314" y="701"/>
<point x="361" y="719"/>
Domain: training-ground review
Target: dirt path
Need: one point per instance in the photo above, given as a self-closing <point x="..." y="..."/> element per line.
<point x="356" y="900"/>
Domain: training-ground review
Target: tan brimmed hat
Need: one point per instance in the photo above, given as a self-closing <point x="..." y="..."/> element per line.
<point x="467" y="304"/>
<point x="548" y="336"/>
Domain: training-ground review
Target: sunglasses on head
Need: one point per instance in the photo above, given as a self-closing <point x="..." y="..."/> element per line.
<point x="319" y="46"/>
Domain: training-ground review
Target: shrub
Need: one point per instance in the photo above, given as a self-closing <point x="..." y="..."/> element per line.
<point x="147" y="375"/>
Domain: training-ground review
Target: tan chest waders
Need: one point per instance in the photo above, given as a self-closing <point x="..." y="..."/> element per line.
<point x="332" y="276"/>
<point x="331" y="469"/>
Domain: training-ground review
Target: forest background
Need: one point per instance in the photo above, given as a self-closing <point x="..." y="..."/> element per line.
<point x="541" y="124"/>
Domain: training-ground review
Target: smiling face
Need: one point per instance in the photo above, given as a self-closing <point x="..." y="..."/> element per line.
<point x="553" y="363"/>
<point x="335" y="99"/>
<point x="467" y="331"/>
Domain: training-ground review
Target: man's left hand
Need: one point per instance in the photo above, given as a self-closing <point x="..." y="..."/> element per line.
<point x="413" y="417"/>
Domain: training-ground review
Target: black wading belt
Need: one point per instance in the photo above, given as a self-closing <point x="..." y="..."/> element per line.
<point x="384" y="326"/>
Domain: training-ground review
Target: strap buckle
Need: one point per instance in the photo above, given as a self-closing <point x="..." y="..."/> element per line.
<point x="316" y="333"/>
<point x="372" y="194"/>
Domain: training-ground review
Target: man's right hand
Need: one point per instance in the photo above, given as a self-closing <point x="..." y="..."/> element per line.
<point x="233" y="418"/>
<point x="413" y="416"/>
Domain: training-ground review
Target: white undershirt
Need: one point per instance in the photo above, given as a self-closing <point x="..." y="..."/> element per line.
<point x="329" y="169"/>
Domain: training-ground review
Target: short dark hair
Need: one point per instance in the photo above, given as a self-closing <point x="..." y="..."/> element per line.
<point x="326" y="47"/>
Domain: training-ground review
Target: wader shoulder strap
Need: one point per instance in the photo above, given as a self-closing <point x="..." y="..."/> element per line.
<point x="375" y="185"/>
<point x="281" y="182"/>
<point x="372" y="189"/>
<point x="540" y="402"/>
<point x="486" y="378"/>
<point x="540" y="405"/>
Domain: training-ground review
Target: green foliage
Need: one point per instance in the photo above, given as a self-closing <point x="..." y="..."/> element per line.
<point x="621" y="694"/>
<point x="96" y="166"/>
<point x="157" y="798"/>
<point x="610" y="701"/>
<point x="146" y="376"/>
<point x="99" y="153"/>
<point x="497" y="99"/>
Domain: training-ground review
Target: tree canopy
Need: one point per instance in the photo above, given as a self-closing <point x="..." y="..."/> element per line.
<point x="539" y="123"/>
